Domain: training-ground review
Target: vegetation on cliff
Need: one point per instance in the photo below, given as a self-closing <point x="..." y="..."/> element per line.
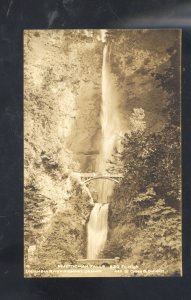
<point x="56" y="207"/>
<point x="145" y="210"/>
<point x="55" y="219"/>
<point x="145" y="222"/>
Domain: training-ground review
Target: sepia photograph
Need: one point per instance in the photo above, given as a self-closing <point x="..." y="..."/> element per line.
<point x="102" y="153"/>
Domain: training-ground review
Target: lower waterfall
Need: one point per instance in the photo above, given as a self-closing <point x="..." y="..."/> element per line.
<point x="97" y="229"/>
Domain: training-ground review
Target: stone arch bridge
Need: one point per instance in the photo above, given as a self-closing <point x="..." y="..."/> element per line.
<point x="88" y="177"/>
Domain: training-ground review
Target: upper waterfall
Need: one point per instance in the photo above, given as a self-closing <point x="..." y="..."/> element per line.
<point x="109" y="120"/>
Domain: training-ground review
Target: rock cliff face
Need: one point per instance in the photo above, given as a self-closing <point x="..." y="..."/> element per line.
<point x="60" y="133"/>
<point x="62" y="90"/>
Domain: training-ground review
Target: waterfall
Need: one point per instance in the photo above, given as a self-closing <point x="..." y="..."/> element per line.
<point x="98" y="223"/>
<point x="97" y="229"/>
<point x="109" y="125"/>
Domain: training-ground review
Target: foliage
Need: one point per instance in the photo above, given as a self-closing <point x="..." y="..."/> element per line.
<point x="169" y="81"/>
<point x="149" y="159"/>
<point x="62" y="237"/>
<point x="148" y="200"/>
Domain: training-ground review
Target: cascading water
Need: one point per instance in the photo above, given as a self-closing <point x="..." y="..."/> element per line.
<point x="97" y="229"/>
<point x="98" y="222"/>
